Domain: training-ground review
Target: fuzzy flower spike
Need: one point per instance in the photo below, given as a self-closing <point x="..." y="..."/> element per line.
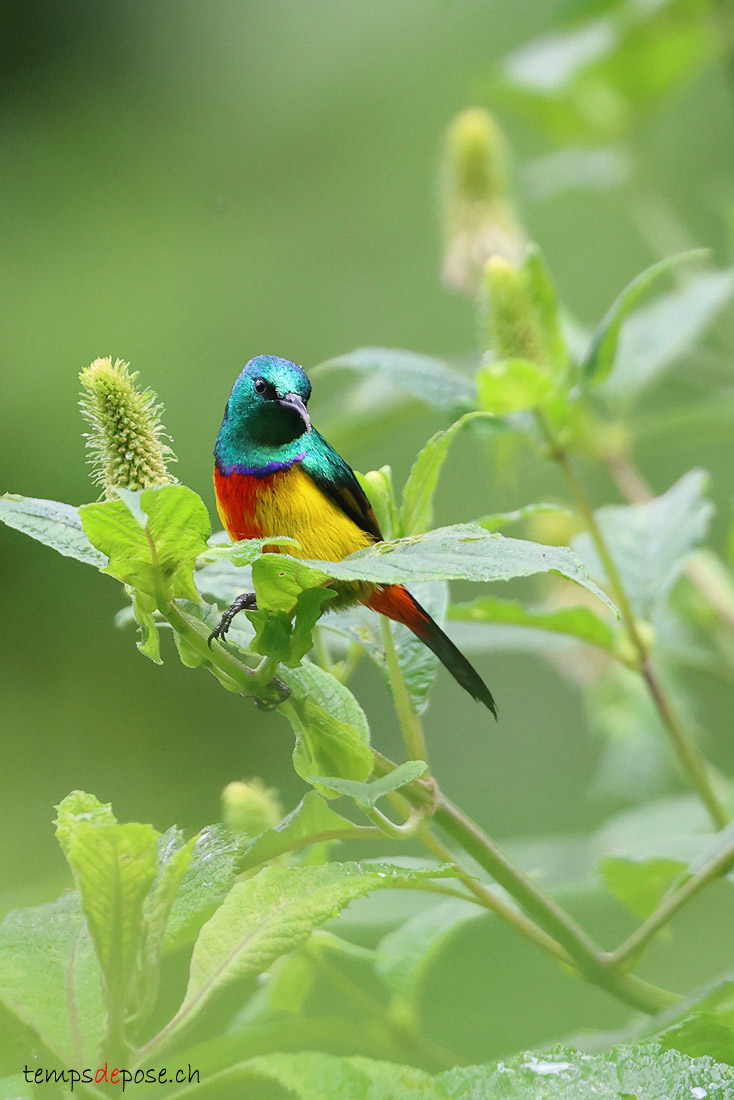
<point x="126" y="442"/>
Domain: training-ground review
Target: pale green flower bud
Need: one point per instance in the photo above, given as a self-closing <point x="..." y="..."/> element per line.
<point x="479" y="219"/>
<point x="514" y="329"/>
<point x="250" y="808"/>
<point x="126" y="442"/>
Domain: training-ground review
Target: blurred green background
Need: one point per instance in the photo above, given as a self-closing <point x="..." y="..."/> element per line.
<point x="185" y="186"/>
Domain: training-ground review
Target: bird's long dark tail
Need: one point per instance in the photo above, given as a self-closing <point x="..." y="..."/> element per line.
<point x="396" y="603"/>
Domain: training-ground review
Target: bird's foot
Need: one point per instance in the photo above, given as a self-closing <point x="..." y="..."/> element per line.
<point x="280" y="694"/>
<point x="247" y="601"/>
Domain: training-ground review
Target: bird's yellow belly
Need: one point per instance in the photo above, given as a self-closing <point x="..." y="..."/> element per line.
<point x="289" y="503"/>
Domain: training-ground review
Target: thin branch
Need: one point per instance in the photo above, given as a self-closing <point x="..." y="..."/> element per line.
<point x="632" y="948"/>
<point x="691" y="759"/>
<point x="588" y="958"/>
<point x="410" y="722"/>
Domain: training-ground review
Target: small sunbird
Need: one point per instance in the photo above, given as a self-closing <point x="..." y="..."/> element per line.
<point x="274" y="474"/>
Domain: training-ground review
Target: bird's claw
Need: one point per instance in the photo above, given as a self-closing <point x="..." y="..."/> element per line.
<point x="283" y="693"/>
<point x="247" y="601"/>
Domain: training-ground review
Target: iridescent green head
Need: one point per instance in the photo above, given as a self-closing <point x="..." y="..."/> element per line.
<point x="266" y="423"/>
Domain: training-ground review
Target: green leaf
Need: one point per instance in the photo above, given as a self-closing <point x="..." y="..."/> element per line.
<point x="705" y="1026"/>
<point x="149" y="642"/>
<point x="641" y="884"/>
<point x="279" y="586"/>
<point x="658" y="335"/>
<point x="311" y="822"/>
<point x="174" y="859"/>
<point x="56" y="525"/>
<point x="16" y="1088"/>
<point x="368" y="794"/>
<point x="50" y="978"/>
<point x="114" y="867"/>
<point x="427" y="380"/>
<point x="650" y="542"/>
<point x="416" y="512"/>
<point x="308" y="1075"/>
<point x="332" y="734"/>
<point x="244" y="551"/>
<point x="269" y="915"/>
<point x="152" y="538"/>
<point x="513" y="385"/>
<point x="545" y="300"/>
<point x="595" y="80"/>
<point x="461" y="552"/>
<point x="406" y="954"/>
<point x="77" y="807"/>
<point x="497" y="520"/>
<point x="643" y="1072"/>
<point x="640" y="874"/>
<point x="635" y="762"/>
<point x="417" y="662"/>
<point x="212" y="868"/>
<point x="599" y="359"/>
<point x="580" y="622"/>
<point x="277" y="635"/>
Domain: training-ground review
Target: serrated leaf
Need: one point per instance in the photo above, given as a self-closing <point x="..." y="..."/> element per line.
<point x="149" y="642"/>
<point x="658" y="335"/>
<point x="212" y="868"/>
<point x="644" y="1072"/>
<point x="705" y="1028"/>
<point x="311" y="822"/>
<point x="77" y="807"/>
<point x="579" y="622"/>
<point x="428" y="380"/>
<point x="269" y="915"/>
<point x="599" y="359"/>
<point x="50" y="978"/>
<point x="307" y="1075"/>
<point x="52" y="523"/>
<point x="244" y="551"/>
<point x="114" y="867"/>
<point x="152" y="538"/>
<point x="406" y="954"/>
<point x="174" y="858"/>
<point x="418" y="663"/>
<point x="416" y="511"/>
<point x="332" y="734"/>
<point x="278" y="587"/>
<point x="513" y="385"/>
<point x="462" y="552"/>
<point x="368" y="794"/>
<point x="278" y="634"/>
<point x="650" y="542"/>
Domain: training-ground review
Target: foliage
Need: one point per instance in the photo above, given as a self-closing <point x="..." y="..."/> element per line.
<point x="221" y="949"/>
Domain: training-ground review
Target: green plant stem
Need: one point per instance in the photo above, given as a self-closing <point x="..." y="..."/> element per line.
<point x="484" y="897"/>
<point x="410" y="722"/>
<point x="630" y="951"/>
<point x="588" y="958"/>
<point x="437" y="1056"/>
<point x="691" y="759"/>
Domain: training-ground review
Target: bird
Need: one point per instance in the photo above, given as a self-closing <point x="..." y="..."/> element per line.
<point x="275" y="474"/>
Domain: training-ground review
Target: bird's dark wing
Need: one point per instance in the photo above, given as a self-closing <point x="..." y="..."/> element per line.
<point x="336" y="479"/>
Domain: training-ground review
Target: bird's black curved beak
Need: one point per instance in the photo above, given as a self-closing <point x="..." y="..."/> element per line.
<point x="295" y="401"/>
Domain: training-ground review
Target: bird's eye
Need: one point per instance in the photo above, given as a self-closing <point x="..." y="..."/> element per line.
<point x="260" y="385"/>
